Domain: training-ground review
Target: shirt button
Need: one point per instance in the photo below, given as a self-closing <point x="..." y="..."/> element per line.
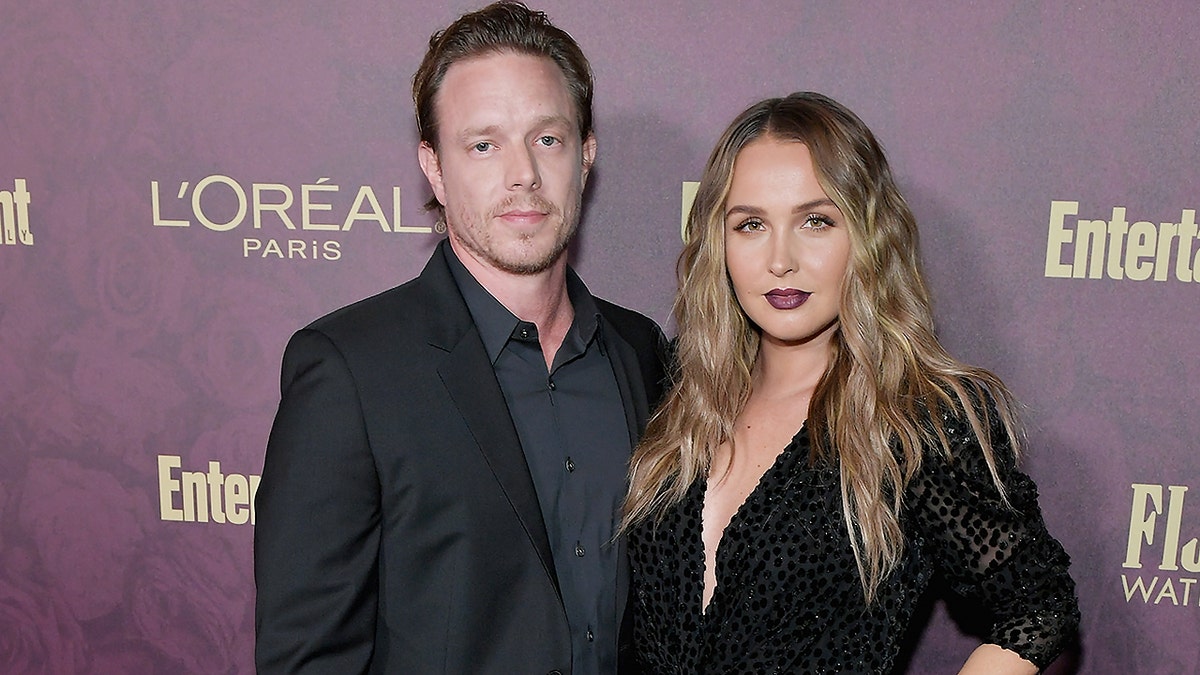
<point x="552" y="385"/>
<point x="524" y="333"/>
<point x="570" y="465"/>
<point x="579" y="550"/>
<point x="590" y="636"/>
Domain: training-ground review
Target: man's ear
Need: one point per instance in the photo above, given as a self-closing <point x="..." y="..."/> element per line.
<point x="432" y="168"/>
<point x="589" y="155"/>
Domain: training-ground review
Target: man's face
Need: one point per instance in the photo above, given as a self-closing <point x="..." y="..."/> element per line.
<point x="510" y="167"/>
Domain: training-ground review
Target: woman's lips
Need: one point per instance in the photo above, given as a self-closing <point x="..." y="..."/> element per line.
<point x="786" y="298"/>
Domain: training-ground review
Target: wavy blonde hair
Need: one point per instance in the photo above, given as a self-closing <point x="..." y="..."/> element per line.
<point x="876" y="410"/>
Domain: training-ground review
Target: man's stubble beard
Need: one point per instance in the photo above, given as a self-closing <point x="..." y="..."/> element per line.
<point x="480" y="245"/>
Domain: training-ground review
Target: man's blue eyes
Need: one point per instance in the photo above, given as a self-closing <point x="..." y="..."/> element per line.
<point x="544" y="141"/>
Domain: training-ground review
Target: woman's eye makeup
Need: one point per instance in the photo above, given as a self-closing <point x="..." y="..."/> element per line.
<point x="818" y="221"/>
<point x="749" y="224"/>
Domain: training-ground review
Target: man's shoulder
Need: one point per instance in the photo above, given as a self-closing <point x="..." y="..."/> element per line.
<point x="624" y="316"/>
<point x="388" y="327"/>
<point x="381" y="309"/>
<point x="418" y="311"/>
<point x="627" y="320"/>
<point x="648" y="343"/>
<point x="397" y="304"/>
<point x="630" y="323"/>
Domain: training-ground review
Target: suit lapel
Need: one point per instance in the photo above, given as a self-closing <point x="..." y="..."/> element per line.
<point x="471" y="383"/>
<point x="629" y="381"/>
<point x="625" y="367"/>
<point x="469" y="379"/>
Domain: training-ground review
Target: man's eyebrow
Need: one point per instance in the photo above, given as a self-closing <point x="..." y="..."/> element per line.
<point x="493" y="129"/>
<point x="551" y="120"/>
<point x="475" y="132"/>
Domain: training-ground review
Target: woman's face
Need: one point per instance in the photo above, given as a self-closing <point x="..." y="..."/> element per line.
<point x="786" y="243"/>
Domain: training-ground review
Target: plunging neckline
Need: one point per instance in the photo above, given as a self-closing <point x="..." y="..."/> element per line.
<point x="739" y="514"/>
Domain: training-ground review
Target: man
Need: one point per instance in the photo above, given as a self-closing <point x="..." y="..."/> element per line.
<point x="443" y="479"/>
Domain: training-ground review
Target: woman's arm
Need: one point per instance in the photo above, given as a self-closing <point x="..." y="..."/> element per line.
<point x="995" y="550"/>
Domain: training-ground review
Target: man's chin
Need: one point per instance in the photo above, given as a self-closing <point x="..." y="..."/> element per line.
<point x="528" y="258"/>
<point x="528" y="265"/>
<point x="523" y="256"/>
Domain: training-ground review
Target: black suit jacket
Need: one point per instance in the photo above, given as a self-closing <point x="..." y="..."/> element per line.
<point x="398" y="529"/>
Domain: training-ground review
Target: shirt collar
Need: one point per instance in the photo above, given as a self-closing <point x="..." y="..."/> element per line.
<point x="496" y="323"/>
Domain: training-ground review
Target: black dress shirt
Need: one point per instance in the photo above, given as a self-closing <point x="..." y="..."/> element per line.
<point x="572" y="428"/>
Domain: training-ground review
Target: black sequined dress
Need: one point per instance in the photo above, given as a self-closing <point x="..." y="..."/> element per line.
<point x="788" y="597"/>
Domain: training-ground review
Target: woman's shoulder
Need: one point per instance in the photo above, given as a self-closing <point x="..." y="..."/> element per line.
<point x="973" y="427"/>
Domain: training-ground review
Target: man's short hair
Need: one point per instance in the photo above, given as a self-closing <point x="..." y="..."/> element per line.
<point x="503" y="26"/>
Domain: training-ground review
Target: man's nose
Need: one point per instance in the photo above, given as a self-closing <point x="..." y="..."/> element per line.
<point x="523" y="170"/>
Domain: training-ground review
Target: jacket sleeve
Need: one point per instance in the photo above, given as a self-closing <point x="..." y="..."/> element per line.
<point x="316" y="539"/>
<point x="998" y="553"/>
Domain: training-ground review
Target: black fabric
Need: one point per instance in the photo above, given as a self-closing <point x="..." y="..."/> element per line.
<point x="788" y="596"/>
<point x="398" y="528"/>
<point x="570" y="422"/>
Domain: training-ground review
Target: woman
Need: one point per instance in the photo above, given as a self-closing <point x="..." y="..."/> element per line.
<point x="820" y="457"/>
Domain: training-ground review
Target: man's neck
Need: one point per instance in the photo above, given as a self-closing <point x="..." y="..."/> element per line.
<point x="540" y="298"/>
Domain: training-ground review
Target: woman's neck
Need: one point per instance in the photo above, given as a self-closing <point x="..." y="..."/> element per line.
<point x="785" y="370"/>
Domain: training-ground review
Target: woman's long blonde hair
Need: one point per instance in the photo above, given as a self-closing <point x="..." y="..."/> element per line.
<point x="877" y="407"/>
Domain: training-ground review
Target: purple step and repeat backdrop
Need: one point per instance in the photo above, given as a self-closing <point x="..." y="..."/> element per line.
<point x="184" y="184"/>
